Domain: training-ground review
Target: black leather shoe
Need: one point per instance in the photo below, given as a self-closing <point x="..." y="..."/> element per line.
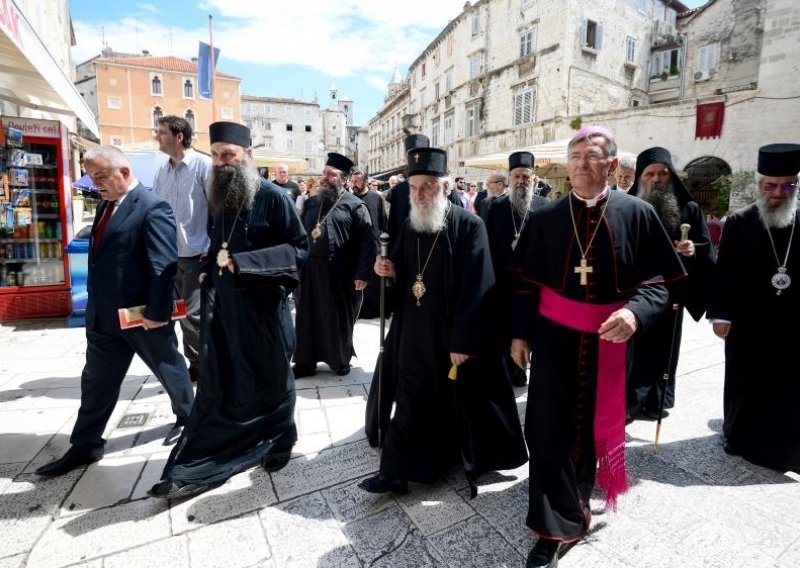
<point x="343" y="370"/>
<point x="275" y="462"/>
<point x="544" y="554"/>
<point x="71" y="460"/>
<point x="301" y="370"/>
<point x="168" y="489"/>
<point x="174" y="434"/>
<point x="728" y="449"/>
<point x="383" y="484"/>
<point x="194" y="372"/>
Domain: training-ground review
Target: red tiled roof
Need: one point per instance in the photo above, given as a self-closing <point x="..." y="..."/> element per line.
<point x="168" y="63"/>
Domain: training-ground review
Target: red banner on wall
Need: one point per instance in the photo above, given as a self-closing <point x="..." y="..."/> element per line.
<point x="709" y="120"/>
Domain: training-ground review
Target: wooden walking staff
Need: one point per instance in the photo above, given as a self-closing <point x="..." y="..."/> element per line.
<point x="384" y="240"/>
<point x="676" y="308"/>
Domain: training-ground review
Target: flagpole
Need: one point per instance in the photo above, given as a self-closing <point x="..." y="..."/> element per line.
<point x="213" y="69"/>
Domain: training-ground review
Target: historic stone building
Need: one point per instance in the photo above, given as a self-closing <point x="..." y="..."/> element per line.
<point x="128" y="93"/>
<point x="385" y="132"/>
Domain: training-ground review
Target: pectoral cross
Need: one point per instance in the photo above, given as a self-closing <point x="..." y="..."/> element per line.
<point x="583" y="270"/>
<point x="416" y="158"/>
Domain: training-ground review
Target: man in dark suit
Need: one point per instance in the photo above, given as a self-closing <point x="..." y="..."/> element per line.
<point x="133" y="261"/>
<point x="496" y="186"/>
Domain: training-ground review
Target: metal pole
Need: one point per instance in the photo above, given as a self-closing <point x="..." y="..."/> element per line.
<point x="384" y="240"/>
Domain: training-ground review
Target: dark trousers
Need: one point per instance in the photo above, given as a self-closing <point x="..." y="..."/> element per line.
<point x="108" y="357"/>
<point x="188" y="288"/>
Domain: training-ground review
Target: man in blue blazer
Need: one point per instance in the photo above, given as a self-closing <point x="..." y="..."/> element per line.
<point x="133" y="261"/>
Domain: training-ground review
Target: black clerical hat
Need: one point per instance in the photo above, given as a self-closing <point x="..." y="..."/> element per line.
<point x="230" y="132"/>
<point x="430" y="161"/>
<point x="341" y="163"/>
<point x="779" y="160"/>
<point x="520" y="160"/>
<point x="416" y="141"/>
<point x="659" y="155"/>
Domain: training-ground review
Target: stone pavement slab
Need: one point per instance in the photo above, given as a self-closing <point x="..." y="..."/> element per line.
<point x="689" y="505"/>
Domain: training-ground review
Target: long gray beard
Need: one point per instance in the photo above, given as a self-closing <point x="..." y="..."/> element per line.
<point x="664" y="201"/>
<point x="780" y="216"/>
<point x="430" y="217"/>
<point x="521" y="197"/>
<point x="233" y="188"/>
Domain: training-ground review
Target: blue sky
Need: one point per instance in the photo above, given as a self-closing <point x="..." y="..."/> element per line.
<point x="278" y="48"/>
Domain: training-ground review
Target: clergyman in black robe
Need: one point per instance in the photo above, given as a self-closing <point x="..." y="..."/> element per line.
<point x="339" y="266"/>
<point x="370" y="307"/>
<point x="244" y="409"/>
<point x="505" y="221"/>
<point x="399" y="205"/>
<point x="655" y="352"/>
<point x="450" y="407"/>
<point x="591" y="272"/>
<point x="754" y="308"/>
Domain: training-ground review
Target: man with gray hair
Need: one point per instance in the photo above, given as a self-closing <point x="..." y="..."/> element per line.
<point x="590" y="272"/>
<point x="244" y="411"/>
<point x="446" y="400"/>
<point x="282" y="180"/>
<point x="133" y="259"/>
<point x="754" y="309"/>
<point x="625" y="172"/>
<point x="496" y="186"/>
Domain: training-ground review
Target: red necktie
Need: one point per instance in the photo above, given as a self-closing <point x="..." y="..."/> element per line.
<point x="101" y="226"/>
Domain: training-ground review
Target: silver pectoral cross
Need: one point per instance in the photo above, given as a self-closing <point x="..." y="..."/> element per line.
<point x="584" y="270"/>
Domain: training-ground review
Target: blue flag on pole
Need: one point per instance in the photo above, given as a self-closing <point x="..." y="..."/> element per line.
<point x="204" y="83"/>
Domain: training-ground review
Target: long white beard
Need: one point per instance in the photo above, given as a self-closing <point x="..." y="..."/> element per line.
<point x="429" y="217"/>
<point x="779" y="216"/>
<point x="521" y="197"/>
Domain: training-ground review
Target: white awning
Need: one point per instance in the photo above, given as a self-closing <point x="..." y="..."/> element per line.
<point x="30" y="77"/>
<point x="544" y="154"/>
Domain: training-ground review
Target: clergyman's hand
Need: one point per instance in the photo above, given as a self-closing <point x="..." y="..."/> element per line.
<point x="684" y="248"/>
<point x="521" y="353"/>
<point x="360" y="284"/>
<point x="721" y="329"/>
<point x="384" y="267"/>
<point x="458" y="358"/>
<point x="619" y="327"/>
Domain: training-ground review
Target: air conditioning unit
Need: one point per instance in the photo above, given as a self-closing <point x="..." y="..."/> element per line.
<point x="702" y="76"/>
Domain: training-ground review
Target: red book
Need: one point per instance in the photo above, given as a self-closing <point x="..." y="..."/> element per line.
<point x="134" y="317"/>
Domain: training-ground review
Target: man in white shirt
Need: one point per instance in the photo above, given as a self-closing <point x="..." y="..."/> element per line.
<point x="183" y="182"/>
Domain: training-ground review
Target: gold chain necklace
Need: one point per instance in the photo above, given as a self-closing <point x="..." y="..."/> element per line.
<point x="585" y="269"/>
<point x="418" y="288"/>
<point x="317" y="231"/>
<point x="222" y="256"/>
<point x="781" y="280"/>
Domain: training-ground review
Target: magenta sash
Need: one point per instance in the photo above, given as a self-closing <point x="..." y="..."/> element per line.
<point x="609" y="415"/>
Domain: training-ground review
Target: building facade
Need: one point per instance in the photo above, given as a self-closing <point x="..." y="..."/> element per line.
<point x="286" y="126"/>
<point x="129" y="93"/>
<point x="386" y="130"/>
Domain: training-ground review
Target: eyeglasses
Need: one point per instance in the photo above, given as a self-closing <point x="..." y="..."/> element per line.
<point x="769" y="186"/>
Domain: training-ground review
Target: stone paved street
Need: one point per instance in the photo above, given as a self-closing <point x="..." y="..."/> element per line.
<point x="689" y="505"/>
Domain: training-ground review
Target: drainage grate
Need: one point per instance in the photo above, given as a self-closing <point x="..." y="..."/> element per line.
<point x="133" y="420"/>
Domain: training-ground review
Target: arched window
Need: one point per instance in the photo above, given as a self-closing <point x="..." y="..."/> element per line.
<point x="190" y="117"/>
<point x="155" y="85"/>
<point x="188" y="89"/>
<point x="157" y="114"/>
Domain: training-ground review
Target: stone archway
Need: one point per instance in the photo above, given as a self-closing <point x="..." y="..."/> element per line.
<point x="702" y="172"/>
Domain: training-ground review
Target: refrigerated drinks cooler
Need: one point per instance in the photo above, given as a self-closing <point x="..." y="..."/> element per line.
<point x="34" y="274"/>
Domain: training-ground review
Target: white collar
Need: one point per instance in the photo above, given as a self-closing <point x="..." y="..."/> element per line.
<point x="593" y="201"/>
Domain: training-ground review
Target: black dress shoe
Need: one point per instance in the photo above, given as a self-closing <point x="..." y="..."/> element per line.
<point x="194" y="372"/>
<point x="66" y="463"/>
<point x="729" y="449"/>
<point x="544" y="554"/>
<point x="383" y="484"/>
<point x="652" y="414"/>
<point x="275" y="462"/>
<point x="174" y="434"/>
<point x="301" y="370"/>
<point x="168" y="489"/>
<point x="343" y="370"/>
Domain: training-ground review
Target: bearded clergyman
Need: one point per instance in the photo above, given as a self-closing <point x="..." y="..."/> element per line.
<point x="506" y="219"/>
<point x="244" y="408"/>
<point x="338" y="270"/>
<point x="448" y="408"/>
<point x="754" y="309"/>
<point x="655" y="352"/>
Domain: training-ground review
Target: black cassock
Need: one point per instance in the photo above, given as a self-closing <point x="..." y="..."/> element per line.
<point x="399" y="208"/>
<point x="631" y="256"/>
<point x="438" y="421"/>
<point x="245" y="392"/>
<point x="504" y="225"/>
<point x="328" y="302"/>
<point x="762" y="389"/>
<point x="652" y="349"/>
<point x="370" y="308"/>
